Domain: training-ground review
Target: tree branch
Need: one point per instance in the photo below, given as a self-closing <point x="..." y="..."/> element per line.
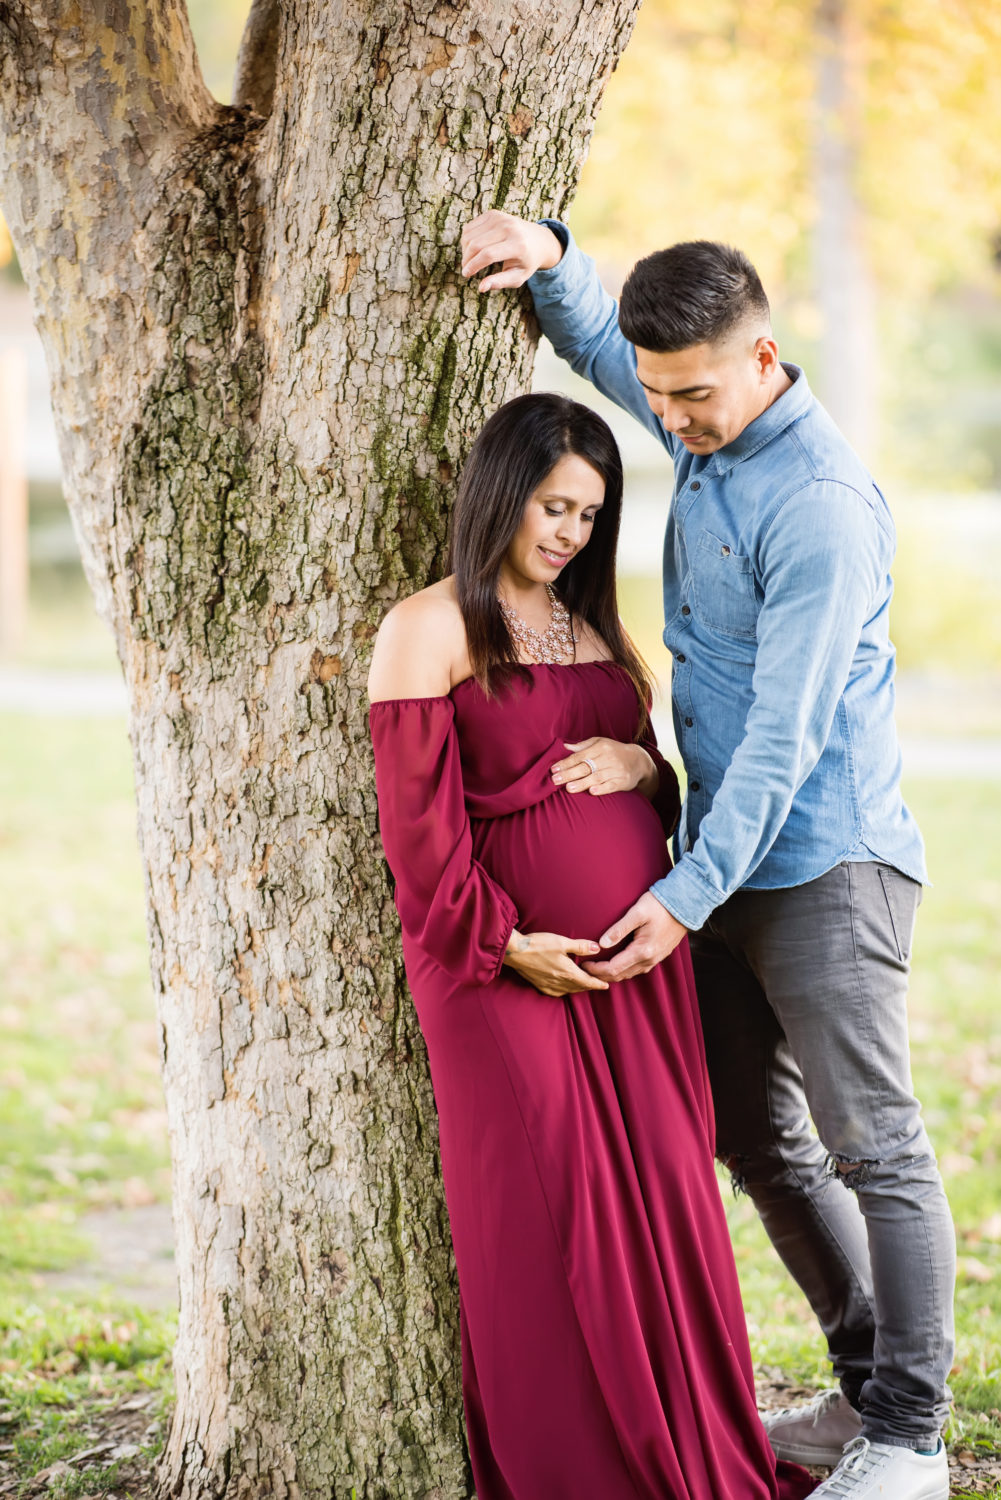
<point x="96" y="102"/>
<point x="93" y="104"/>
<point x="254" y="80"/>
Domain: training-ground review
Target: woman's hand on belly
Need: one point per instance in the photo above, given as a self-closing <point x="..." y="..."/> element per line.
<point x="543" y="958"/>
<point x="599" y="766"/>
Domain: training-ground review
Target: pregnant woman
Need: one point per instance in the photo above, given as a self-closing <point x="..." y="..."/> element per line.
<point x="523" y="807"/>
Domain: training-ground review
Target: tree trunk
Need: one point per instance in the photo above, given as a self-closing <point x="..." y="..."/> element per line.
<point x="848" y="361"/>
<point x="266" y="372"/>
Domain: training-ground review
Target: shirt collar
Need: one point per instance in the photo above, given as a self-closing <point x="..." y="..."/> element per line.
<point x="790" y="406"/>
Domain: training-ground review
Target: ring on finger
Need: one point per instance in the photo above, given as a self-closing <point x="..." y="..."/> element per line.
<point x="590" y="764"/>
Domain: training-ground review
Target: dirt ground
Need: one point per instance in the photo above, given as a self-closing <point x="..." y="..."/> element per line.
<point x="117" y="1435"/>
<point x="134" y="1248"/>
<point x="120" y="1430"/>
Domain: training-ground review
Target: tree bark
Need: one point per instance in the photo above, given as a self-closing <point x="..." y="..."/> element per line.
<point x="266" y="372"/>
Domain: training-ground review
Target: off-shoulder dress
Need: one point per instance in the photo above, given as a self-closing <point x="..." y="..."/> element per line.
<point x="604" y="1347"/>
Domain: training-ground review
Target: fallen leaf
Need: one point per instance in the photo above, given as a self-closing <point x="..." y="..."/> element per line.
<point x="974" y="1269"/>
<point x="53" y="1473"/>
<point x="85" y="1453"/>
<point x="136" y="1404"/>
<point x="990" y="1229"/>
<point x="126" y="1450"/>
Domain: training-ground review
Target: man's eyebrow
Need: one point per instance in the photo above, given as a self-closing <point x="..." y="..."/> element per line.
<point x="688" y="390"/>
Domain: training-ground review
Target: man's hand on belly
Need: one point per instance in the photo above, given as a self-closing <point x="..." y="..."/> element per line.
<point x="655" y="934"/>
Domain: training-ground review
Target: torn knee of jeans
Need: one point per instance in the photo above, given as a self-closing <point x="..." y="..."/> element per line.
<point x="853" y="1172"/>
<point x="736" y="1165"/>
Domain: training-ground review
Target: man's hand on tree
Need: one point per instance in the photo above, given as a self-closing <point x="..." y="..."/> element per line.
<point x="655" y="934"/>
<point x="520" y="248"/>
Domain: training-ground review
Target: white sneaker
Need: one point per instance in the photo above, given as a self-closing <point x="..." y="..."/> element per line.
<point x="813" y="1434"/>
<point x="871" y="1469"/>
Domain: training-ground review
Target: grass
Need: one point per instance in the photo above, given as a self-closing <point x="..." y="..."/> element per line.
<point x="87" y="1394"/>
<point x="946" y="606"/>
<point x="81" y="1114"/>
<point x="75" y="1378"/>
<point x="82" y="1127"/>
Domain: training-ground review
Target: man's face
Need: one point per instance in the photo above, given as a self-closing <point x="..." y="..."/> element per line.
<point x="707" y="394"/>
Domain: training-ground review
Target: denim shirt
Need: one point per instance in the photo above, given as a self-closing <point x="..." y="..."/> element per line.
<point x="777" y="591"/>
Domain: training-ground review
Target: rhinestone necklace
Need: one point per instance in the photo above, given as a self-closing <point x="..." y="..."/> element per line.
<point x="552" y="645"/>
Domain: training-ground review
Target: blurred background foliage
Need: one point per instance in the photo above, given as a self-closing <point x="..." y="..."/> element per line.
<point x="850" y="147"/>
<point x="710" y="129"/>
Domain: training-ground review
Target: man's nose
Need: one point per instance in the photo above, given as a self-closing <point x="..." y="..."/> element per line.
<point x="674" y="417"/>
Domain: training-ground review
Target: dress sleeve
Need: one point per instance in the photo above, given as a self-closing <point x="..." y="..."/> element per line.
<point x="666" y="800"/>
<point x="447" y="902"/>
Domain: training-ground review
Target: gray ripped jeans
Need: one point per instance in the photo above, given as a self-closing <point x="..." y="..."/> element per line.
<point x="803" y="997"/>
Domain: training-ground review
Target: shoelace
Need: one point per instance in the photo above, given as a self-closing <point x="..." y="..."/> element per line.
<point x="856" y="1461"/>
<point x="820" y="1404"/>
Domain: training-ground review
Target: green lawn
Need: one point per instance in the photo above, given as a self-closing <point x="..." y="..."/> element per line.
<point x="81" y="1112"/>
<point x="81" y="1118"/>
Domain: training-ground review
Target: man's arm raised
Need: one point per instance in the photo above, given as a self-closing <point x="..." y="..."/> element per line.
<point x="575" y="312"/>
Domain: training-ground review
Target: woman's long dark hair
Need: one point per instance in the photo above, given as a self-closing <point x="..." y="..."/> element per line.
<point x="519" y="445"/>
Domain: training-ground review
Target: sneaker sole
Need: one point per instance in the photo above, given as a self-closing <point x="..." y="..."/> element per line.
<point x="936" y="1488"/>
<point x="937" y="1491"/>
<point x="802" y="1453"/>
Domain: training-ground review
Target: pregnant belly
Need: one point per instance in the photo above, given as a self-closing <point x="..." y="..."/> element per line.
<point x="572" y="864"/>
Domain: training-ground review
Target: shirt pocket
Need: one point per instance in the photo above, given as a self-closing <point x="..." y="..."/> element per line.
<point x="723" y="584"/>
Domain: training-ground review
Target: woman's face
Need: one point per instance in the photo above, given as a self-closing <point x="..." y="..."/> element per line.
<point x="556" y="523"/>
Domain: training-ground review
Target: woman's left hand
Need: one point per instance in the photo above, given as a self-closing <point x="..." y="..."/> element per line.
<point x="600" y="766"/>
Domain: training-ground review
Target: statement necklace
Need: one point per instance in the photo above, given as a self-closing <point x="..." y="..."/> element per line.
<point x="552" y="645"/>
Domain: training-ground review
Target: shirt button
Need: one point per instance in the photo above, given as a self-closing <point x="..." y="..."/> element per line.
<point x="724" y="550"/>
<point x="696" y="485"/>
<point x="694" y="785"/>
<point x="686" y="609"/>
<point x="681" y="656"/>
<point x="689" y="723"/>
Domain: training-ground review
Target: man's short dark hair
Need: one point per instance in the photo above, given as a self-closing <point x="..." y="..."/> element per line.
<point x="694" y="293"/>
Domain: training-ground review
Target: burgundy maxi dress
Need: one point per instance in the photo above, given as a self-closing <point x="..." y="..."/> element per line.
<point x="604" y="1348"/>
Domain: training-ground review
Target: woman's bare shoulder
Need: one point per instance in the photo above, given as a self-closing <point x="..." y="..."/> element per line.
<point x="420" y="646"/>
<point x="432" y="614"/>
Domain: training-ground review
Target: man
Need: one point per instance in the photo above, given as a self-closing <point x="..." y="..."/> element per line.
<point x="799" y="867"/>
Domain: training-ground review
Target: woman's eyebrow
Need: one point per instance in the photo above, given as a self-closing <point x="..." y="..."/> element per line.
<point x="570" y="500"/>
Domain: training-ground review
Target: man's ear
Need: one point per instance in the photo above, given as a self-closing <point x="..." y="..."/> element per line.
<point x="766" y="356"/>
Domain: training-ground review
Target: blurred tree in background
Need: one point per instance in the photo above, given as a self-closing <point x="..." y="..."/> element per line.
<point x="847" y="146"/>
<point x="709" y="130"/>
